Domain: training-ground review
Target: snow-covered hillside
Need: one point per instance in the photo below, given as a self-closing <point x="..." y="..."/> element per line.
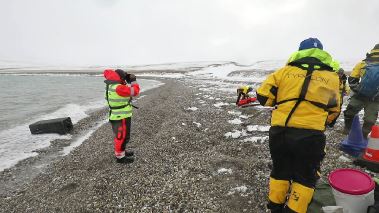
<point x="215" y="69"/>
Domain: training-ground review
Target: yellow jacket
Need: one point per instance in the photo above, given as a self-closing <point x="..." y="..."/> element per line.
<point x="320" y="103"/>
<point x="360" y="69"/>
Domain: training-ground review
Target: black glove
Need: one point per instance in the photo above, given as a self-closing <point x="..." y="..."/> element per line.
<point x="122" y="74"/>
<point x="130" y="78"/>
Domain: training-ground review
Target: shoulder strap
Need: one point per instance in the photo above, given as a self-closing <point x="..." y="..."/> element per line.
<point x="303" y="92"/>
<point x="313" y="64"/>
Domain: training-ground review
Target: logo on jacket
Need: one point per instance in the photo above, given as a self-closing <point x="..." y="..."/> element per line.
<point x="295" y="196"/>
<point x="313" y="78"/>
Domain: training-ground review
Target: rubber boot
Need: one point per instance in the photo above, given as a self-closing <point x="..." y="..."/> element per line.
<point x="277" y="194"/>
<point x="129" y="153"/>
<point x="275" y="208"/>
<point x="299" y="199"/>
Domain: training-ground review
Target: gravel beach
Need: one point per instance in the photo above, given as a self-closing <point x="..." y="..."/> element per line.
<point x="195" y="152"/>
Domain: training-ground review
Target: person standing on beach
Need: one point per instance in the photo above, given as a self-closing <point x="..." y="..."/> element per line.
<point x="364" y="82"/>
<point x="305" y="94"/>
<point x="119" y="96"/>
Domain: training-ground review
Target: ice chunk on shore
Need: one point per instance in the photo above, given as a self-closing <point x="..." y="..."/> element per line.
<point x="192" y="108"/>
<point x="344" y="159"/>
<point x="235" y="121"/>
<point x="258" y="128"/>
<point x="235" y="134"/>
<point x="256" y="139"/>
<point x="240" y="189"/>
<point x="197" y="124"/>
<point x="234" y="112"/>
<point x="220" y="104"/>
<point x="224" y="171"/>
<point x="244" y="116"/>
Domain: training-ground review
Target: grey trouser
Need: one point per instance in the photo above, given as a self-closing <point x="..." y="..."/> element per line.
<point x="355" y="105"/>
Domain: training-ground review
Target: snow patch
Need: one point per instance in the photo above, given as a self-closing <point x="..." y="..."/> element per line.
<point x="224" y="171"/>
<point x="220" y="104"/>
<point x="344" y="159"/>
<point x="256" y="139"/>
<point x="235" y="121"/>
<point x="238" y="189"/>
<point x="258" y="128"/>
<point x="161" y="75"/>
<point x="197" y="124"/>
<point x="192" y="108"/>
<point x="235" y="134"/>
<point x="234" y="112"/>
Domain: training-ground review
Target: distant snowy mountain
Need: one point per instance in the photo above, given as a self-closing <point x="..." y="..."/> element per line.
<point x="219" y="69"/>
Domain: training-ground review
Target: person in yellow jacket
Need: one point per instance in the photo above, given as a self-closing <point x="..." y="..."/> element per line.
<point x="305" y="94"/>
<point x="344" y="88"/>
<point x="366" y="92"/>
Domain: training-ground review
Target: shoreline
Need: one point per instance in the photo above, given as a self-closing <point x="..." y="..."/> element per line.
<point x="195" y="151"/>
<point x="25" y="170"/>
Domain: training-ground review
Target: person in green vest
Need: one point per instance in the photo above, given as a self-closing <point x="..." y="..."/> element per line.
<point x="120" y="88"/>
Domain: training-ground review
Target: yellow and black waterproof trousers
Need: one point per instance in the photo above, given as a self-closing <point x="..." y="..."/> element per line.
<point x="296" y="155"/>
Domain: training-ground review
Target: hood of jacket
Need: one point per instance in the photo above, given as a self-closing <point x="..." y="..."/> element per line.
<point x="321" y="55"/>
<point x="111" y="76"/>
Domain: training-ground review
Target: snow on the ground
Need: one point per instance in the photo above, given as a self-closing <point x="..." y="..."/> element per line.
<point x="260" y="128"/>
<point x="197" y="124"/>
<point x="179" y="66"/>
<point x="255" y="139"/>
<point x="244" y="116"/>
<point x="224" y="171"/>
<point x="344" y="159"/>
<point x="235" y="112"/>
<point x="235" y="121"/>
<point x="268" y="64"/>
<point x="192" y="108"/>
<point x="161" y="75"/>
<point x="220" y="104"/>
<point x="219" y="71"/>
<point x="236" y="134"/>
<point x="238" y="189"/>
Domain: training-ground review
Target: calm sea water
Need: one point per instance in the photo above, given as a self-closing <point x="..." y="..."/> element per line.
<point x="26" y="99"/>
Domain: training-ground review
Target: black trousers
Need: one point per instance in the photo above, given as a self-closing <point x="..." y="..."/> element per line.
<point x="296" y="154"/>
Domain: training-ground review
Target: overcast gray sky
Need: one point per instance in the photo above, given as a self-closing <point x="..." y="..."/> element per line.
<point x="106" y="32"/>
